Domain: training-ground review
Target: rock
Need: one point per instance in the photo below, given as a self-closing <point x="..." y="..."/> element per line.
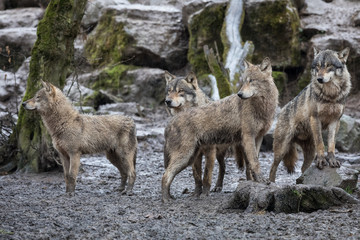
<point x="20" y="42"/>
<point x="205" y="28"/>
<point x="75" y="91"/>
<point x="128" y="108"/>
<point x="147" y="88"/>
<point x="254" y="197"/>
<point x="145" y="36"/>
<point x="12" y="88"/>
<point x="19" y="18"/>
<point x="193" y="6"/>
<point x="93" y="11"/>
<point x="348" y="136"/>
<point x="25" y="3"/>
<point x="345" y="178"/>
<point x="273" y="26"/>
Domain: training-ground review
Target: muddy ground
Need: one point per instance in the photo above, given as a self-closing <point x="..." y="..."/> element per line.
<point x="35" y="206"/>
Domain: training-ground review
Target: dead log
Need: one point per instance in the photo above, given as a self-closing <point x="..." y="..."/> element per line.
<point x="254" y="197"/>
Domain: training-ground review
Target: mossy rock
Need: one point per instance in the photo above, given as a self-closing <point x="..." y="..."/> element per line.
<point x="109" y="42"/>
<point x="205" y="29"/>
<point x="273" y="26"/>
<point x="112" y="79"/>
<point x="304" y="80"/>
<point x="280" y="79"/>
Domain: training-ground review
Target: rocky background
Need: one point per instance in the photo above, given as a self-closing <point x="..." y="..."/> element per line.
<point x="124" y="47"/>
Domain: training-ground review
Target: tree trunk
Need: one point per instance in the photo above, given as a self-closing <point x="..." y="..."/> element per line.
<point x="51" y="60"/>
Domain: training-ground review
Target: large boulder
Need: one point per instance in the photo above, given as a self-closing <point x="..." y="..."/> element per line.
<point x="343" y="177"/>
<point x="147" y="88"/>
<point x="348" y="136"/>
<point x="150" y="36"/>
<point x="273" y="26"/>
<point x="93" y="11"/>
<point x="18" y="18"/>
<point x="205" y="28"/>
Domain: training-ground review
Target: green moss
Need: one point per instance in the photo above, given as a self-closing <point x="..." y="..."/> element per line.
<point x="112" y="78"/>
<point x="204" y="29"/>
<point x="304" y="80"/>
<point x="109" y="42"/>
<point x="280" y="79"/>
<point x="273" y="26"/>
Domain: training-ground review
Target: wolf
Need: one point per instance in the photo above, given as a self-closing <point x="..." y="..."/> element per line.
<point x="183" y="93"/>
<point x="317" y="107"/>
<point x="241" y="119"/>
<point x="74" y="134"/>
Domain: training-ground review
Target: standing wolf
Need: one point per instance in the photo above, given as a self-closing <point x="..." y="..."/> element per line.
<point x="319" y="106"/>
<point x="243" y="119"/>
<point x="74" y="134"/>
<point x="182" y="93"/>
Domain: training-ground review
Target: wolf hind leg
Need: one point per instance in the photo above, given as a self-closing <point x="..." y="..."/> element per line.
<point x="177" y="163"/>
<point x="281" y="146"/>
<point x="72" y="173"/>
<point x="124" y="162"/>
<point x="210" y="154"/>
<point x="197" y="173"/>
<point x="220" y="156"/>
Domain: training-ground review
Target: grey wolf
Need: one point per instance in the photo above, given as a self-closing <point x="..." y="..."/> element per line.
<point x="317" y="107"/>
<point x="183" y="93"/>
<point x="74" y="134"/>
<point x="240" y="119"/>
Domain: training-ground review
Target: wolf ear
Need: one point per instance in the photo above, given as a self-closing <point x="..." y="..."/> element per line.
<point x="191" y="78"/>
<point x="168" y="76"/>
<point x="344" y="54"/>
<point x="316" y="51"/>
<point x="45" y="85"/>
<point x="246" y="64"/>
<point x="265" y="65"/>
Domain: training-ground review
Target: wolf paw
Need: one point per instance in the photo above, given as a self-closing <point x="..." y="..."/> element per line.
<point x="332" y="161"/>
<point x="217" y="189"/>
<point x="321" y="162"/>
<point x="197" y="192"/>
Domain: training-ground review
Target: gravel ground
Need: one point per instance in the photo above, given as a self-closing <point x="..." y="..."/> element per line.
<point x="35" y="206"/>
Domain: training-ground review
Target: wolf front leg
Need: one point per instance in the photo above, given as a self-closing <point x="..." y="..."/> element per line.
<point x="250" y="152"/>
<point x="73" y="172"/>
<point x="332" y="130"/>
<point x="318" y="140"/>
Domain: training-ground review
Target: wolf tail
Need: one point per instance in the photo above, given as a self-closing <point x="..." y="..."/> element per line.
<point x="291" y="158"/>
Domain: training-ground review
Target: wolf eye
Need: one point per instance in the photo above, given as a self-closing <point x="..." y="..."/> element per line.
<point x="181" y="90"/>
<point x="251" y="80"/>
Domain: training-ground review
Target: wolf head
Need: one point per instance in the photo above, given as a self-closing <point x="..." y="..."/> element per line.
<point x="256" y="79"/>
<point x="328" y="65"/>
<point x="181" y="91"/>
<point x="42" y="99"/>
